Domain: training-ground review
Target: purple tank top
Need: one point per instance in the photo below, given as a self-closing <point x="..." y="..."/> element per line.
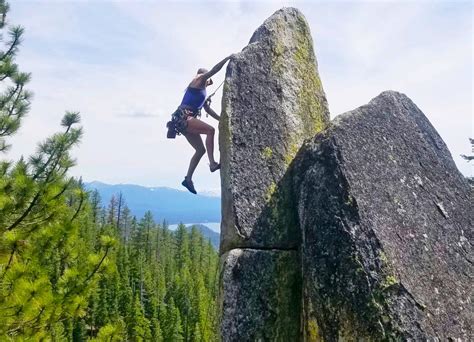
<point x="194" y="98"/>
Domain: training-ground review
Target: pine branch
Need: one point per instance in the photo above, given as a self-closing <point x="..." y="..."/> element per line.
<point x="62" y="149"/>
<point x="78" y="208"/>
<point x="7" y="99"/>
<point x="63" y="190"/>
<point x="31" y="321"/>
<point x="75" y="134"/>
<point x="10" y="260"/>
<point x="38" y="222"/>
<point x="70" y="118"/>
<point x="8" y="69"/>
<point x="39" y="171"/>
<point x="15" y="33"/>
<point x="4" y="9"/>
<point x="9" y="129"/>
<point x="26" y="212"/>
<point x="89" y="277"/>
<point x="96" y="269"/>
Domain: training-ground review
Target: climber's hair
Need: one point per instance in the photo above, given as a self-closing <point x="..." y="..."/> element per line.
<point x="202" y="71"/>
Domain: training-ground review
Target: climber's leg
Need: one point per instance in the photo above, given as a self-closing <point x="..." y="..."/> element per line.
<point x="196" y="142"/>
<point x="196" y="126"/>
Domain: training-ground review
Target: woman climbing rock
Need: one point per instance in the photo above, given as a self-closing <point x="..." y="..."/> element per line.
<point x="185" y="121"/>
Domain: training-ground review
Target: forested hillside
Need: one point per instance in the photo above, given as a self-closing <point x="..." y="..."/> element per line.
<point x="147" y="291"/>
<point x="71" y="270"/>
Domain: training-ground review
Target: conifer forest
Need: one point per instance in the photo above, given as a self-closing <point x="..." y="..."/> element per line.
<point x="72" y="269"/>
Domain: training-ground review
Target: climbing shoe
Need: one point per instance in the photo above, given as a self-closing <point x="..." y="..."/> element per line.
<point x="215" y="167"/>
<point x="188" y="184"/>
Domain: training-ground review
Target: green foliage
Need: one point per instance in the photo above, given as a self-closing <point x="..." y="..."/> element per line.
<point x="71" y="270"/>
<point x="14" y="98"/>
<point x="111" y="333"/>
<point x="46" y="274"/>
<point x="164" y="284"/>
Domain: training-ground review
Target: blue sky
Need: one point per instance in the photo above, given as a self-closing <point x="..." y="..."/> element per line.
<point x="124" y="66"/>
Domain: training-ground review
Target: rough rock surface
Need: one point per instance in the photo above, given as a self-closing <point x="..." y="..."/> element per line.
<point x="387" y="224"/>
<point x="272" y="101"/>
<point x="260" y="295"/>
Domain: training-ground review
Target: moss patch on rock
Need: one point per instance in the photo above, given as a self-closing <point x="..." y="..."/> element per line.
<point x="267" y="153"/>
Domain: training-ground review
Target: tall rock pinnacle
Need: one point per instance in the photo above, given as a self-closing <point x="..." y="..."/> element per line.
<point x="273" y="100"/>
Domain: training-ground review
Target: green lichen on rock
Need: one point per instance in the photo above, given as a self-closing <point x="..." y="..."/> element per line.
<point x="299" y="61"/>
<point x="279" y="212"/>
<point x="260" y="295"/>
<point x="267" y="153"/>
<point x="390" y="281"/>
<point x="383" y="257"/>
<point x="292" y="149"/>
<point x="225" y="131"/>
<point x="313" y="115"/>
<point x="270" y="192"/>
<point x="278" y="57"/>
<point x="312" y="331"/>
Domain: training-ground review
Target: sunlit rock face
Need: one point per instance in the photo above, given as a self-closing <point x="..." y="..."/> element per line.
<point x="359" y="229"/>
<point x="273" y="100"/>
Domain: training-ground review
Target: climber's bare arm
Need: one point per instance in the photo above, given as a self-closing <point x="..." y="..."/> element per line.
<point x="211" y="112"/>
<point x="204" y="77"/>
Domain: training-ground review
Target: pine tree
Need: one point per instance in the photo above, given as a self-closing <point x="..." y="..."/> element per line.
<point x="147" y="225"/>
<point x="112" y="212"/>
<point x="140" y="325"/>
<point x="156" y="331"/>
<point x="95" y="206"/>
<point x="15" y="100"/>
<point x="46" y="274"/>
<point x="173" y="330"/>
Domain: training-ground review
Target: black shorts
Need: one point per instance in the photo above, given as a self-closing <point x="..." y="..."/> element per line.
<point x="180" y="119"/>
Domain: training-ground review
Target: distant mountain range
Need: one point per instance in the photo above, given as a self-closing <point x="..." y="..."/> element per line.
<point x="168" y="204"/>
<point x="208" y="234"/>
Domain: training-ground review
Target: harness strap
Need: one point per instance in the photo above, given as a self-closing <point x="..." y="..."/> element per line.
<point x="189" y="112"/>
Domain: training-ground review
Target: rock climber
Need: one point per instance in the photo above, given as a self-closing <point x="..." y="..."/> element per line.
<point x="185" y="121"/>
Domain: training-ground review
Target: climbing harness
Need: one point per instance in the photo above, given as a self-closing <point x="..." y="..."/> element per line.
<point x="178" y="123"/>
